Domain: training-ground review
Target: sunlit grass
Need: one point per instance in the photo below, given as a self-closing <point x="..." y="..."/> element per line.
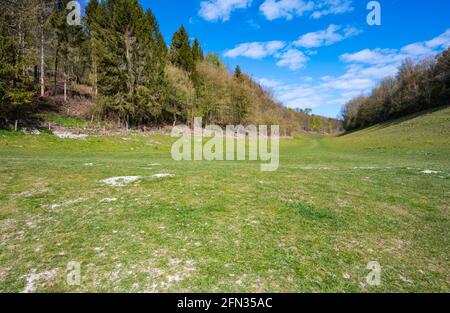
<point x="334" y="205"/>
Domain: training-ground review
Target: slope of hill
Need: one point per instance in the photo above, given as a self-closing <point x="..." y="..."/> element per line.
<point x="430" y="129"/>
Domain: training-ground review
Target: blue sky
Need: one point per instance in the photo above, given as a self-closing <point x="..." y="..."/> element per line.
<point x="315" y="54"/>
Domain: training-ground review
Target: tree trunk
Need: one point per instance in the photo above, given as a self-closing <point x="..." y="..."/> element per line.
<point x="95" y="77"/>
<point x="55" y="77"/>
<point x="65" y="87"/>
<point x="42" y="63"/>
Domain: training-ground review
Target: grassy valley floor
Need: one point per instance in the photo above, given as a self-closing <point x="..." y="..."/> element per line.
<point x="334" y="205"/>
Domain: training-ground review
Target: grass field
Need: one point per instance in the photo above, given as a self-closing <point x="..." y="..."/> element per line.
<point x="334" y="205"/>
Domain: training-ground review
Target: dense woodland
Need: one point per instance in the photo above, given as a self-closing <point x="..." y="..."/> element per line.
<point x="417" y="87"/>
<point x="118" y="60"/>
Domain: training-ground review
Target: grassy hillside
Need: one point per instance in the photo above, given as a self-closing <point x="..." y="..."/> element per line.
<point x="334" y="205"/>
<point x="430" y="130"/>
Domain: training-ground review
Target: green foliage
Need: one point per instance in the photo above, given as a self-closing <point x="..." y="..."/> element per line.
<point x="214" y="59"/>
<point x="129" y="60"/>
<point x="317" y="123"/>
<point x="307" y="111"/>
<point x="197" y="52"/>
<point x="180" y="102"/>
<point x="237" y="72"/>
<point x="180" y="53"/>
<point x="16" y="88"/>
<point x="330" y="126"/>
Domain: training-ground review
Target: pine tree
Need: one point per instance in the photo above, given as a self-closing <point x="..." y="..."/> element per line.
<point x="91" y="20"/>
<point x="238" y="72"/>
<point x="180" y="52"/>
<point x="129" y="60"/>
<point x="197" y="52"/>
<point x="18" y="54"/>
<point x="68" y="42"/>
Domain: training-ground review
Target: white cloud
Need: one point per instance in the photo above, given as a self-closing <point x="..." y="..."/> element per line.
<point x="326" y="37"/>
<point x="328" y="7"/>
<point x="424" y="48"/>
<point x="394" y="57"/>
<point x="286" y="53"/>
<point x="442" y="41"/>
<point x="287" y="57"/>
<point x="416" y="49"/>
<point x="220" y="10"/>
<point x="368" y="56"/>
<point x="363" y="71"/>
<point x="253" y="24"/>
<point x="269" y="83"/>
<point x="288" y="9"/>
<point x="292" y="58"/>
<point x="255" y="50"/>
<point x="273" y="9"/>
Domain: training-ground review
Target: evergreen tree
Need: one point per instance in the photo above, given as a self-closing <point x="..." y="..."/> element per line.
<point x="68" y="43"/>
<point x="180" y="52"/>
<point x="197" y="52"/>
<point x="238" y="72"/>
<point x="129" y="60"/>
<point x="18" y="54"/>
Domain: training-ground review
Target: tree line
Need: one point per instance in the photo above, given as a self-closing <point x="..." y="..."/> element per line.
<point x="416" y="87"/>
<point x="133" y="76"/>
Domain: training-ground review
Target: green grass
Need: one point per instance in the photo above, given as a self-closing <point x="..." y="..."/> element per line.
<point x="334" y="205"/>
<point x="63" y="121"/>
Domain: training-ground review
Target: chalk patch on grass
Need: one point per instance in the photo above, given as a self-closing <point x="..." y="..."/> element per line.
<point x="30" y="193"/>
<point x="75" y="201"/>
<point x="163" y="175"/>
<point x="430" y="172"/>
<point x="120" y="181"/>
<point x="54" y="206"/>
<point x="108" y="200"/>
<point x="174" y="262"/>
<point x="154" y="164"/>
<point x="33" y="277"/>
<point x="69" y="135"/>
<point x="88" y="164"/>
<point x="174" y="278"/>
